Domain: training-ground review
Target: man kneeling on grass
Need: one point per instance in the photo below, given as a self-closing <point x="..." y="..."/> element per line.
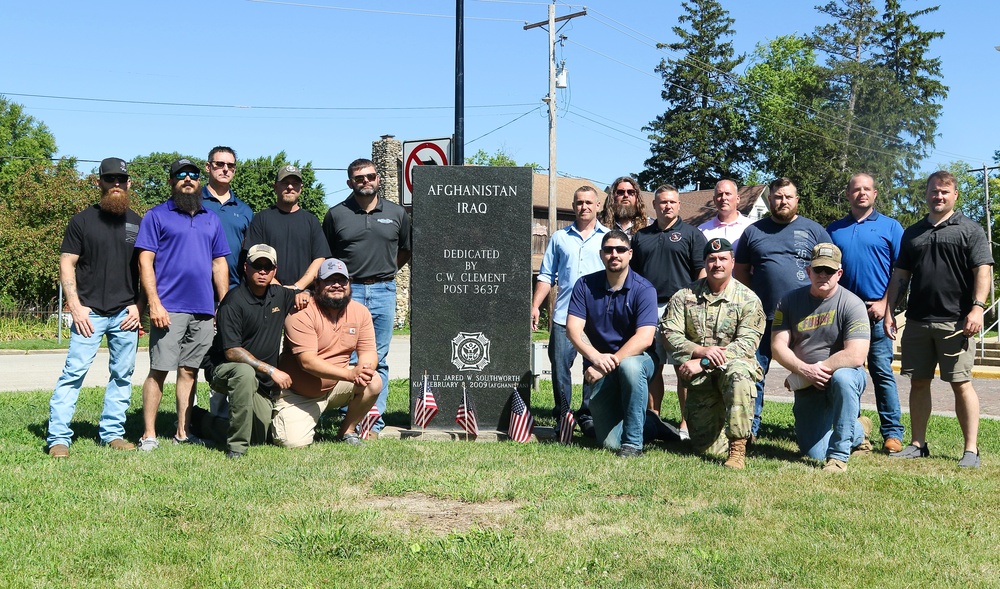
<point x="319" y="342"/>
<point x="714" y="327"/>
<point x="611" y="322"/>
<point x="244" y="355"/>
<point x="821" y="335"/>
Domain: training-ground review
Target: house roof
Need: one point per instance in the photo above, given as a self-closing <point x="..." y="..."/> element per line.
<point x="565" y="188"/>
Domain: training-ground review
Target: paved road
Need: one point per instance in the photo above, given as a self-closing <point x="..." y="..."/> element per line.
<point x="39" y="370"/>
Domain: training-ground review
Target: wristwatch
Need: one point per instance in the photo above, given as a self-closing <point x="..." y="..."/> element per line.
<point x="979" y="304"/>
<point x="706" y="364"/>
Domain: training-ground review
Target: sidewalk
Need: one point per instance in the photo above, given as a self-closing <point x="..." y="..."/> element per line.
<point x="38" y="370"/>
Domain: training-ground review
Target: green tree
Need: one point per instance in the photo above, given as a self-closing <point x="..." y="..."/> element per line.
<point x="151" y="177"/>
<point x="785" y="99"/>
<point x="254" y="183"/>
<point x="701" y="137"/>
<point x="499" y="158"/>
<point x="25" y="144"/>
<point x="32" y="224"/>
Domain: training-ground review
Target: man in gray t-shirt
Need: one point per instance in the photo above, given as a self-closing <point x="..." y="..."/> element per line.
<point x="821" y="335"/>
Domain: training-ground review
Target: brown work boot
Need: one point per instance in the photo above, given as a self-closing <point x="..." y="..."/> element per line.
<point x="865" y="447"/>
<point x="59" y="451"/>
<point x="834" y="465"/>
<point x="737" y="454"/>
<point x="120" y="444"/>
<point x="892" y="445"/>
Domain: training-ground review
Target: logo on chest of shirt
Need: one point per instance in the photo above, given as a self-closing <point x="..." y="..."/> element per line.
<point x="386" y="221"/>
<point x="276" y="310"/>
<point x="675" y="236"/>
<point x="352" y="330"/>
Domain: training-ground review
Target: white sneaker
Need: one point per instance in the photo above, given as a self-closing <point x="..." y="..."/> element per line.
<point x="148" y="444"/>
<point x="683" y="433"/>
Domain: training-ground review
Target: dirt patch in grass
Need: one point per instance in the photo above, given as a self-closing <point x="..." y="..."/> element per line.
<point x="418" y="511"/>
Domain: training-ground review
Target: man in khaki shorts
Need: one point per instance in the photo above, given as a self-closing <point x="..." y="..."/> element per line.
<point x="319" y="341"/>
<point x="946" y="260"/>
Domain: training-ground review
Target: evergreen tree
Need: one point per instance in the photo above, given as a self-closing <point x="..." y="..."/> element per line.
<point x="701" y="137"/>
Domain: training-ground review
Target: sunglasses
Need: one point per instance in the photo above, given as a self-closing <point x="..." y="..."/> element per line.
<point x="623" y="192"/>
<point x="618" y="249"/>
<point x="187" y="174"/>
<point x="824" y="271"/>
<point x="360" y="178"/>
<point x="115" y="178"/>
<point x="220" y="165"/>
<point x="265" y="266"/>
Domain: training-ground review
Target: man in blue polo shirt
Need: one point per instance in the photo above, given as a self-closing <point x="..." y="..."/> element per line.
<point x="611" y="322"/>
<point x="219" y="198"/>
<point x="183" y="272"/>
<point x="870" y="245"/>
<point x="573" y="251"/>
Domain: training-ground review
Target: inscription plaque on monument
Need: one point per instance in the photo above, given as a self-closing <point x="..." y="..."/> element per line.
<point x="470" y="291"/>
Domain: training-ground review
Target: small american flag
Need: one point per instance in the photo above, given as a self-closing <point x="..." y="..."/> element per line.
<point x="521" y="421"/>
<point x="566" y="423"/>
<point x="466" y="416"/>
<point x="426" y="407"/>
<point x="365" y="427"/>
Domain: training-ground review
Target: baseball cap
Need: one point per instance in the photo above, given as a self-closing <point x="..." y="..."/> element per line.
<point x="289" y="170"/>
<point x="113" y="166"/>
<point x="717" y="245"/>
<point x="332" y="266"/>
<point x="826" y="255"/>
<point x="182" y="164"/>
<point x="262" y="250"/>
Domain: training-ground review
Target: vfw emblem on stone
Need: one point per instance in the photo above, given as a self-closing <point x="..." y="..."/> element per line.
<point x="470" y="351"/>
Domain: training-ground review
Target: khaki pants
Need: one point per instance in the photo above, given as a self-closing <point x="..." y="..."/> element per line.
<point x="296" y="417"/>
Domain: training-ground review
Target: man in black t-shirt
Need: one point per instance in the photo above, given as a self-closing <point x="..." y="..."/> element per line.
<point x="99" y="272"/>
<point x="668" y="253"/>
<point x="292" y="231"/>
<point x="244" y="356"/>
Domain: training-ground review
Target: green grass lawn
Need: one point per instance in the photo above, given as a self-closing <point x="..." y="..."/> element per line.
<point x="454" y="514"/>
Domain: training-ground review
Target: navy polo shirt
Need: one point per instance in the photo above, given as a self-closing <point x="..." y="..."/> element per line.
<point x="870" y="248"/>
<point x="613" y="316"/>
<point x="235" y="216"/>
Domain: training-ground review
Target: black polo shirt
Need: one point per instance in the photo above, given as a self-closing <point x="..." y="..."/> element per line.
<point x="252" y="323"/>
<point x="368" y="241"/>
<point x="941" y="260"/>
<point x="670" y="258"/>
<point x="107" y="272"/>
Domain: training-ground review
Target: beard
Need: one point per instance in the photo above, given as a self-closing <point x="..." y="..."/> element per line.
<point x="187" y="202"/>
<point x="366" y="191"/>
<point x="114" y="201"/>
<point x="624" y="212"/>
<point x="785" y="215"/>
<point x="332" y="304"/>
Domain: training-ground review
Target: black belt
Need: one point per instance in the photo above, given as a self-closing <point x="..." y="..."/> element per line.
<point x="372" y="280"/>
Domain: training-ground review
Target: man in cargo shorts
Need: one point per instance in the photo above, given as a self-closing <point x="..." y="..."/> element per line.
<point x="947" y="263"/>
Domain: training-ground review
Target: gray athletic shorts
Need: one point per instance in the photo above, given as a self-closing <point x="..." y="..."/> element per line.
<point x="183" y="343"/>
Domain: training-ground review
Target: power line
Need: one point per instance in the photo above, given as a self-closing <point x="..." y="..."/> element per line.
<point x="502" y="126"/>
<point x="392" y="12"/>
<point x="232" y="106"/>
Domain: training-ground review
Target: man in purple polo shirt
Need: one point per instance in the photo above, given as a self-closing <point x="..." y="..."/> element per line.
<point x="611" y="322"/>
<point x="183" y="271"/>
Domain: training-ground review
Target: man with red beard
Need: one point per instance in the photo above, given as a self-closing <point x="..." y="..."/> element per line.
<point x="183" y="270"/>
<point x="771" y="259"/>
<point x="99" y="272"/>
<point x="624" y="209"/>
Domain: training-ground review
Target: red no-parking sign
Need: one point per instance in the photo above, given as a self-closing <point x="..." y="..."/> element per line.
<point x="425" y="152"/>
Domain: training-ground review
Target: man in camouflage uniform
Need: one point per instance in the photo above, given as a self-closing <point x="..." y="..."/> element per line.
<point x="713" y="328"/>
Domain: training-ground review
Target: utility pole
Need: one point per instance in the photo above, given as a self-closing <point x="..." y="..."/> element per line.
<point x="551" y="100"/>
<point x="458" y="151"/>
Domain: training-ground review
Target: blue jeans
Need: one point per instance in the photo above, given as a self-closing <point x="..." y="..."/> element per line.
<point x="619" y="403"/>
<point x="562" y="354"/>
<point x="380" y="299"/>
<point x="826" y="420"/>
<point x="82" y="350"/>
<point x="764" y="359"/>
<point x="886" y="394"/>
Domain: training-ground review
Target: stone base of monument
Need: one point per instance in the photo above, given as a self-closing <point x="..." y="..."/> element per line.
<point x="542" y="434"/>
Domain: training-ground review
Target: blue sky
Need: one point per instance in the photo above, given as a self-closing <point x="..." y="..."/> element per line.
<point x="323" y="79"/>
